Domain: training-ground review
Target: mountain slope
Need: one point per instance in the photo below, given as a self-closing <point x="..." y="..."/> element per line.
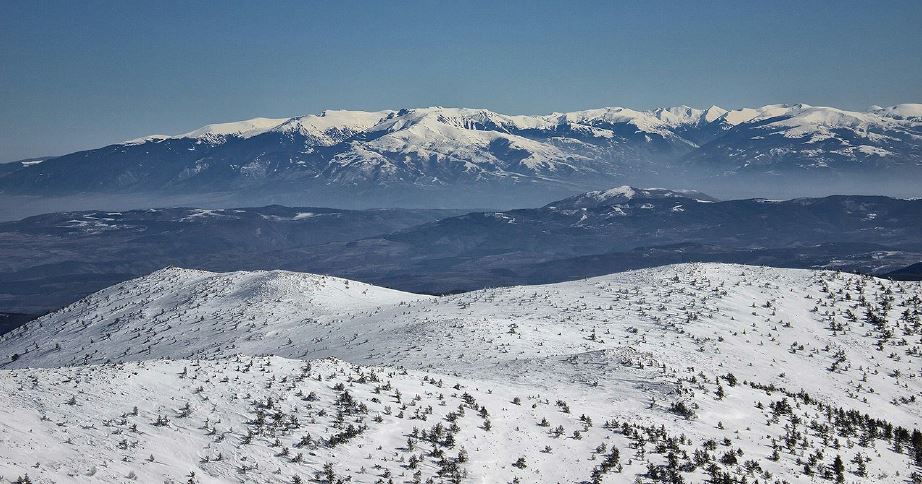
<point x="806" y="138"/>
<point x="296" y="299"/>
<point x="791" y="367"/>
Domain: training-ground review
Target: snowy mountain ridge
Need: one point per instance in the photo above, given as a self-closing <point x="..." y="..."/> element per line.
<point x="647" y="121"/>
<point x="473" y="157"/>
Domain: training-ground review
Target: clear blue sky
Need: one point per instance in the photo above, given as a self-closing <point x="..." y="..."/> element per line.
<point x="81" y="74"/>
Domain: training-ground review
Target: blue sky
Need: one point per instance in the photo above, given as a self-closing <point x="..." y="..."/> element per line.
<point x="77" y="75"/>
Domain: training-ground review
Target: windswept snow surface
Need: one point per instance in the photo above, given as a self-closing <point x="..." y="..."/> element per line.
<point x="697" y="370"/>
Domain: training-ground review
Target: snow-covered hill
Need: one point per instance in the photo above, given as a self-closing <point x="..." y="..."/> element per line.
<point x="694" y="369"/>
<point x="617" y="195"/>
<point x="449" y="150"/>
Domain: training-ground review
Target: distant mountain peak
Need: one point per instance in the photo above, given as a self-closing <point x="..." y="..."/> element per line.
<point x="900" y="110"/>
<point x="624" y="194"/>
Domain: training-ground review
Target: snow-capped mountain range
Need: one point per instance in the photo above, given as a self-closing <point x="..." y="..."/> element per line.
<point x="459" y="150"/>
<point x="684" y="373"/>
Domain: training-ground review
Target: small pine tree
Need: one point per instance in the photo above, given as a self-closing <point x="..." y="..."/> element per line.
<point x="328" y="474"/>
<point x="838" y="467"/>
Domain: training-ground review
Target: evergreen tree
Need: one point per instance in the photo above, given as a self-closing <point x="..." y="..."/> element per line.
<point x="838" y="468"/>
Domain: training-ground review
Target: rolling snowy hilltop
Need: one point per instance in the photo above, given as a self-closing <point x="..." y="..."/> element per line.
<point x="686" y="372"/>
<point x="460" y="157"/>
